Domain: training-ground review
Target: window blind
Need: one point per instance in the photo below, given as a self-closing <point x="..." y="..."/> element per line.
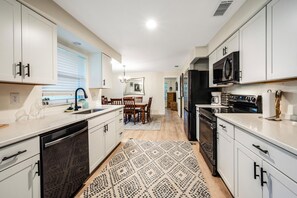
<point x="71" y="75"/>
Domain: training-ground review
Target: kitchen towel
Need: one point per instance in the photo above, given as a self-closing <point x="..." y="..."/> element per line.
<point x="268" y="102"/>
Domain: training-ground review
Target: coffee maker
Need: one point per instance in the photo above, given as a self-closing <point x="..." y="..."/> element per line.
<point x="216" y="98"/>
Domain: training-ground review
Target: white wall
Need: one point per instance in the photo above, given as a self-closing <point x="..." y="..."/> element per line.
<point x="289" y="89"/>
<point x="153" y="86"/>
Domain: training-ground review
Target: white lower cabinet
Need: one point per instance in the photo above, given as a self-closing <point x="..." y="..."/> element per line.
<point x="247" y="173"/>
<point x="277" y="184"/>
<point x="21" y="180"/>
<point x="225" y="157"/>
<point x="258" y="168"/>
<point x="96" y="146"/>
<point x="104" y="136"/>
<point x="110" y="137"/>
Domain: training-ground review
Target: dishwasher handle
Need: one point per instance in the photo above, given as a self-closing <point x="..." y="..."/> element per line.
<point x="46" y="145"/>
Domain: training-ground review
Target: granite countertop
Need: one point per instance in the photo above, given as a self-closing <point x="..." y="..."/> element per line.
<point x="281" y="133"/>
<point x="22" y="130"/>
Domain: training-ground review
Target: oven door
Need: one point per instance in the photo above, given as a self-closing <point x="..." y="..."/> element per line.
<point x="208" y="141"/>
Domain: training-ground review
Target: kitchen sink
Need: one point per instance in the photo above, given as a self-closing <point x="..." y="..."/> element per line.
<point x="89" y="111"/>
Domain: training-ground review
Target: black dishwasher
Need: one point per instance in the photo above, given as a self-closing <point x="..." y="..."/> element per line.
<point x="64" y="160"/>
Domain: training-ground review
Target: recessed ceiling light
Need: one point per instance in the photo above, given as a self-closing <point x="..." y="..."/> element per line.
<point x="151" y="24"/>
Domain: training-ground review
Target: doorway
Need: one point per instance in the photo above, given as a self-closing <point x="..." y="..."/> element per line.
<point x="170" y="89"/>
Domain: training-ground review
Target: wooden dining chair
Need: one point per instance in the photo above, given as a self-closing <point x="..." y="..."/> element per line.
<point x="129" y="110"/>
<point x="116" y="101"/>
<point x="138" y="99"/>
<point x="148" y="110"/>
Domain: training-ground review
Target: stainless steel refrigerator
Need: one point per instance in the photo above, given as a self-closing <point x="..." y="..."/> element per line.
<point x="196" y="91"/>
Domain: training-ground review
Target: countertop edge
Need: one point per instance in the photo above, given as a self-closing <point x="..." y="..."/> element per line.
<point x="79" y="118"/>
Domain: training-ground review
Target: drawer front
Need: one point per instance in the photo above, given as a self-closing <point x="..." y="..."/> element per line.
<point x="120" y="112"/>
<point x="119" y="122"/>
<point x="18" y="152"/>
<point x="225" y="127"/>
<point x="100" y="119"/>
<point x="282" y="160"/>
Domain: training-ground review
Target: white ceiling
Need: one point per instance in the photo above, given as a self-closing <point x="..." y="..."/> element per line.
<point x="182" y="25"/>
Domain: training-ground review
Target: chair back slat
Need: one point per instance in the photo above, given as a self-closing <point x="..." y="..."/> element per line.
<point x="129" y="103"/>
<point x="139" y="99"/>
<point x="116" y="101"/>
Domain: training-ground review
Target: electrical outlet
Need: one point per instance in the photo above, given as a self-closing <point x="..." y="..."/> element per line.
<point x="14" y="98"/>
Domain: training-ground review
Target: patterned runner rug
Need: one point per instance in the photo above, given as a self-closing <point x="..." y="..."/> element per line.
<point x="148" y="169"/>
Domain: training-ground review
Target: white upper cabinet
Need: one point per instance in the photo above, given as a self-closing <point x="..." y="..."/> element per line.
<point x="100" y="72"/>
<point x="106" y="71"/>
<point x="231" y="45"/>
<point x="212" y="60"/>
<point x="28" y="45"/>
<point x="281" y="39"/>
<point x="253" y="49"/>
<point x="10" y="39"/>
<point x="39" y="38"/>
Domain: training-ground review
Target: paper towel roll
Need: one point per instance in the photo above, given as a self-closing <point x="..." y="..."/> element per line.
<point x="268" y="102"/>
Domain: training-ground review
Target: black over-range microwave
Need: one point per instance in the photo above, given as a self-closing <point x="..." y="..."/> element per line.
<point x="226" y="70"/>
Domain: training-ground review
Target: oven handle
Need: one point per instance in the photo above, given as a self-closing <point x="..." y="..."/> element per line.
<point x="200" y="114"/>
<point x="46" y="145"/>
<point x="209" y="123"/>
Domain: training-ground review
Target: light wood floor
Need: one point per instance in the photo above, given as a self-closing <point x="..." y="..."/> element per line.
<point x="172" y="129"/>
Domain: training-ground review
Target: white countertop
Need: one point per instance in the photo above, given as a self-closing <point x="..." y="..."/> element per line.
<point x="281" y="133"/>
<point x="22" y="130"/>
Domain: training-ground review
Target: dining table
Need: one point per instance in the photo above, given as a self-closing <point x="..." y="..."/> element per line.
<point x="141" y="106"/>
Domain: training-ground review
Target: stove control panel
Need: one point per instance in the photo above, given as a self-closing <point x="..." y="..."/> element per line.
<point x="243" y="98"/>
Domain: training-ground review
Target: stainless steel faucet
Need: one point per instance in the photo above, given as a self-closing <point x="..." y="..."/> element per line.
<point x="85" y="95"/>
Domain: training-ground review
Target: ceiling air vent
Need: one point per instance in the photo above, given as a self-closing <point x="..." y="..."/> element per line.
<point x="224" y="5"/>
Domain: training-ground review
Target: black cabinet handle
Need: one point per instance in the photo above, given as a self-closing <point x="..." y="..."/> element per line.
<point x="104" y="82"/>
<point x="14" y="155"/>
<point x="20" y="69"/>
<point x="121" y="133"/>
<point x="28" y="70"/>
<point x="38" y="167"/>
<point x="255" y="170"/>
<point x="259" y="148"/>
<point x="104" y="129"/>
<point x="223" y="126"/>
<point x="262" y="177"/>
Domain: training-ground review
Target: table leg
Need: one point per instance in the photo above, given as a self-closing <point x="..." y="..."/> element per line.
<point x="143" y="116"/>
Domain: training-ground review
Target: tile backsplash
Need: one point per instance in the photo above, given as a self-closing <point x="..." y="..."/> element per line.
<point x="289" y="89"/>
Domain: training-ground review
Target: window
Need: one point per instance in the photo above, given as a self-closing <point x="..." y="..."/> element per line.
<point x="71" y="75"/>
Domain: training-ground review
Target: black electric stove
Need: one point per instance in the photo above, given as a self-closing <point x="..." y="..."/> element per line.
<point x="208" y="124"/>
